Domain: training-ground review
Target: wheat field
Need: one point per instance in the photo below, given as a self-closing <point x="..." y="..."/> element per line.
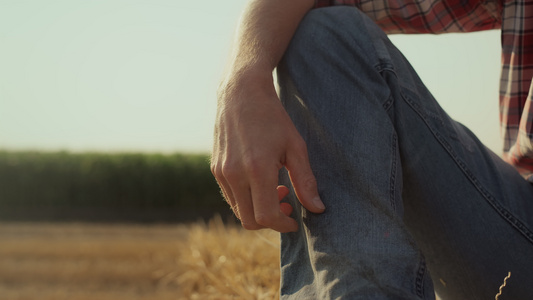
<point x="85" y="261"/>
<point x="78" y="261"/>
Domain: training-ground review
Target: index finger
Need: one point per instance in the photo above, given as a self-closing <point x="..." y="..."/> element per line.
<point x="266" y="202"/>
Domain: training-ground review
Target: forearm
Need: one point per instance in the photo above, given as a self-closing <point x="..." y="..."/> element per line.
<point x="254" y="135"/>
<point x="264" y="33"/>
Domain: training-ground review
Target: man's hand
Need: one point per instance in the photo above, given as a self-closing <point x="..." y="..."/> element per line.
<point x="254" y="136"/>
<point x="254" y="139"/>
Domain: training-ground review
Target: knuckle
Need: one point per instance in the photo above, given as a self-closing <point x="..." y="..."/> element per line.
<point x="264" y="220"/>
<point x="310" y="183"/>
<point x="300" y="146"/>
<point x="215" y="170"/>
<point x="229" y="171"/>
<point x="253" y="167"/>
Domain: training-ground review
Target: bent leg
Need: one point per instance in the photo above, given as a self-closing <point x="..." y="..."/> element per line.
<point x="340" y="101"/>
<point x="397" y="176"/>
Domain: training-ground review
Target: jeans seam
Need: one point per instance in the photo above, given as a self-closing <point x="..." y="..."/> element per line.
<point x="504" y="213"/>
<point x="422" y="268"/>
<point x="393" y="173"/>
<point x="419" y="284"/>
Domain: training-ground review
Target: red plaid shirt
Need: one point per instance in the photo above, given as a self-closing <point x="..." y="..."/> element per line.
<point x="514" y="17"/>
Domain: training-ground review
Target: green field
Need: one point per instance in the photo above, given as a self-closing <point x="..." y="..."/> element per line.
<point x="107" y="187"/>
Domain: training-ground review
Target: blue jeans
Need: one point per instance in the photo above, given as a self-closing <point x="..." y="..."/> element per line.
<point x="415" y="204"/>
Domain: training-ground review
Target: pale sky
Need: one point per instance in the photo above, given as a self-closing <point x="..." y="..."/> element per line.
<point x="141" y="75"/>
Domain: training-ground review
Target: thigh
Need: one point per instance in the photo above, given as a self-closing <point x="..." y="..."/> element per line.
<point x="358" y="248"/>
<point x="397" y="175"/>
<point x="470" y="212"/>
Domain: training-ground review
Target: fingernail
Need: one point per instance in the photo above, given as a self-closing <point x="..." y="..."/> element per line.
<point x="318" y="203"/>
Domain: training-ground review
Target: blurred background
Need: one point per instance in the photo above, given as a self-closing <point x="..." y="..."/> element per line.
<point x="106" y="117"/>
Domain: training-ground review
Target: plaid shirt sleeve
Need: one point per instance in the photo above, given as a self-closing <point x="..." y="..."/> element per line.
<point x="516" y="110"/>
<point x="426" y="16"/>
<point x="514" y="17"/>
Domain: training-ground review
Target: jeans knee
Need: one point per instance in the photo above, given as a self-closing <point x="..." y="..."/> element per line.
<point x="320" y="27"/>
<point x="329" y="34"/>
<point x="332" y="48"/>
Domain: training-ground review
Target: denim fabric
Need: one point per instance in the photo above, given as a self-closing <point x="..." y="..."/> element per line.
<point x="408" y="191"/>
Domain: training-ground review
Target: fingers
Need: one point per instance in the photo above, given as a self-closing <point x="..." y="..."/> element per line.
<point x="285" y="208"/>
<point x="251" y="188"/>
<point x="241" y="198"/>
<point x="265" y="197"/>
<point x="228" y="195"/>
<point x="302" y="178"/>
<point x="216" y="170"/>
<point x="256" y="212"/>
<point x="283" y="191"/>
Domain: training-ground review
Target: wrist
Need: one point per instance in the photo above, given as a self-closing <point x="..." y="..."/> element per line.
<point x="246" y="81"/>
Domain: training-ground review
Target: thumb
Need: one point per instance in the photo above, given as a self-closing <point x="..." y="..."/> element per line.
<point x="303" y="180"/>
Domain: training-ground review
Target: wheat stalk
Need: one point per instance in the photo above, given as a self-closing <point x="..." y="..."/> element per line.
<point x="503" y="285"/>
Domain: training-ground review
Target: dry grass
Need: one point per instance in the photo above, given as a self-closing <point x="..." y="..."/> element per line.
<point x="135" y="262"/>
<point x="88" y="261"/>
